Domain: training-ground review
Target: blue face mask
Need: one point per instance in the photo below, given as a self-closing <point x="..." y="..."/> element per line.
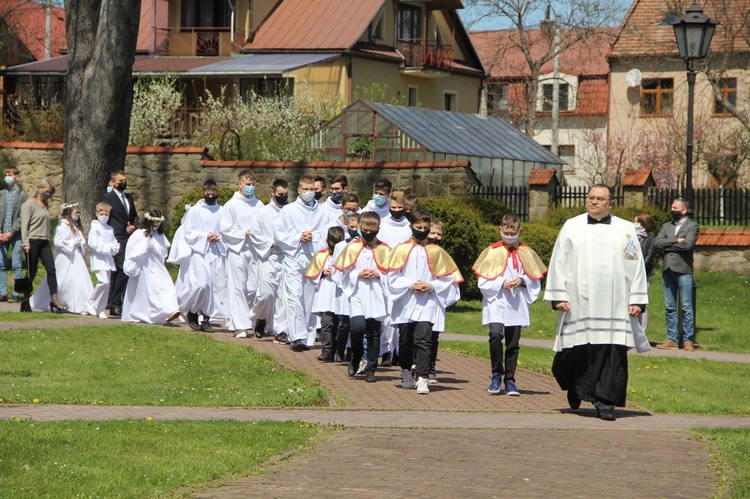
<point x="379" y="200"/>
<point x="10" y="181"/>
<point x="109" y="189"/>
<point x="249" y="190"/>
<point x="336" y="198"/>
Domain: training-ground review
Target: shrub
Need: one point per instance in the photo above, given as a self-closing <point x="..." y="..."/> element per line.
<point x="156" y="103"/>
<point x="39" y="124"/>
<point x="540" y="238"/>
<point x="492" y="210"/>
<point x="556" y="217"/>
<point x="628" y="213"/>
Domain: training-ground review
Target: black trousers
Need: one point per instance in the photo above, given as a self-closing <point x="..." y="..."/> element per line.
<point x="434" y="350"/>
<point x="597" y="373"/>
<point x="512" y="335"/>
<point x="329" y="325"/>
<point x="415" y="342"/>
<point x="40" y="249"/>
<point x="118" y="278"/>
<point x="342" y="335"/>
<point x="362" y="328"/>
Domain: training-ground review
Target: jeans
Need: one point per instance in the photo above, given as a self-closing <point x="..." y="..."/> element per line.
<point x="14" y="245"/>
<point x="674" y="282"/>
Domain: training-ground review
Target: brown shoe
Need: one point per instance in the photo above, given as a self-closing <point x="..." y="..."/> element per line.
<point x="688" y="346"/>
<point x="668" y="345"/>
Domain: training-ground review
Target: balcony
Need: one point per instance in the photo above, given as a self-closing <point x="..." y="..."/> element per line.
<point x="425" y="58"/>
<point x="179" y="41"/>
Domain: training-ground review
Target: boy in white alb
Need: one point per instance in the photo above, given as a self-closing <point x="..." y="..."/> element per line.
<point x="395" y="228"/>
<point x="206" y="277"/>
<point x="339" y="187"/>
<point x="179" y="254"/>
<point x="510" y="279"/>
<point x="101" y="262"/>
<point x="381" y="189"/>
<point x="362" y="268"/>
<point x="236" y="222"/>
<point x="421" y="279"/>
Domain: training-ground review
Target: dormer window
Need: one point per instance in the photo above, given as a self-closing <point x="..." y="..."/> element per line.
<point x="568" y="92"/>
<point x="376" y="27"/>
<point x="409" y="22"/>
<point x="547" y="93"/>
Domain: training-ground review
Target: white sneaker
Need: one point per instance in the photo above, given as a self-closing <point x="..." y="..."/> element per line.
<point x="241" y="334"/>
<point x="406" y="380"/>
<point x="103" y="315"/>
<point x="422" y="387"/>
<point x="362" y="366"/>
<point x="91" y="309"/>
<point x="432" y="379"/>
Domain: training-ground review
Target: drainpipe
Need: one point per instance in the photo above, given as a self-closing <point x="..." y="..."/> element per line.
<point x="349" y="78"/>
<point x="48" y="32"/>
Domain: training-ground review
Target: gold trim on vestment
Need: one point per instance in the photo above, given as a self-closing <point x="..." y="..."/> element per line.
<point x="317" y="264"/>
<point x="494" y="259"/>
<point x="349" y="255"/>
<point x="439" y="261"/>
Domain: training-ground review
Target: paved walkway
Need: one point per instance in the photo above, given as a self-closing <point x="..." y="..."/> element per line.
<point x="457" y="441"/>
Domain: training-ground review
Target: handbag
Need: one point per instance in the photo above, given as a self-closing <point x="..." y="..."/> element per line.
<point x="23" y="286"/>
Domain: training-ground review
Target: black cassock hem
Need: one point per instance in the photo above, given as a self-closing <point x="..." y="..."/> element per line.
<point x="596" y="372"/>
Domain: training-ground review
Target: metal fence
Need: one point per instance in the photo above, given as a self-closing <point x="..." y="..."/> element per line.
<point x="515" y="198"/>
<point x="712" y="206"/>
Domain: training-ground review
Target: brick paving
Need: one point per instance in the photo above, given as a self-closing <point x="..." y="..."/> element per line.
<point x="529" y="446"/>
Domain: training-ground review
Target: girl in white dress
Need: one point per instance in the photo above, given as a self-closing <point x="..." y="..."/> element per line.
<point x="73" y="279"/>
<point x="150" y="296"/>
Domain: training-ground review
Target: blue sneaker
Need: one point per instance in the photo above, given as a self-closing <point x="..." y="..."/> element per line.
<point x="511" y="388"/>
<point x="494" y="387"/>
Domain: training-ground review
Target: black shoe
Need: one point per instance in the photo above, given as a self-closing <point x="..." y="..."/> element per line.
<point x="370" y="377"/>
<point x="386" y="360"/>
<point x="325" y="357"/>
<point x="605" y="413"/>
<point x="206" y="326"/>
<point x="299" y="346"/>
<point x="192" y="319"/>
<point x="352" y="369"/>
<point x="115" y="311"/>
<point x="260" y="328"/>
<point x="281" y="338"/>
<point x="337" y="357"/>
<point x="573" y="401"/>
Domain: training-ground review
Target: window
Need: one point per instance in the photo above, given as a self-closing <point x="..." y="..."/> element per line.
<point x="270" y="88"/>
<point x="376" y="27"/>
<point x="497" y="98"/>
<point x="412" y="98"/>
<point x="656" y="97"/>
<point x="205" y="14"/>
<point x="450" y="101"/>
<point x="568" y="154"/>
<point x="729" y="92"/>
<point x="547" y="91"/>
<point x="409" y="22"/>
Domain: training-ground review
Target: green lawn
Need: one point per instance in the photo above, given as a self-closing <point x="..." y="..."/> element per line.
<point x="732" y="461"/>
<point x="137" y="458"/>
<point x="144" y="365"/>
<point x="723" y="317"/>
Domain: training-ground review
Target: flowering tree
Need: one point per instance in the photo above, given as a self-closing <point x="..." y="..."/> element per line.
<point x="156" y="104"/>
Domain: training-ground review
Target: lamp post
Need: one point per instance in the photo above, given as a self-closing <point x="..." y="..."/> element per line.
<point x="693" y="32"/>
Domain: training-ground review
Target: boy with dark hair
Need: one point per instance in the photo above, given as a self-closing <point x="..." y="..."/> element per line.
<point x="421" y="280"/>
<point x="338" y="189"/>
<point x="381" y="189"/>
<point x="510" y="278"/>
<point x="411" y="203"/>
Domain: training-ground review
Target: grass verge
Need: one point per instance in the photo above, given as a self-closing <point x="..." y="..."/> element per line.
<point x="27" y="317"/>
<point x="144" y="365"/>
<point x="732" y="460"/>
<point x="136" y="458"/>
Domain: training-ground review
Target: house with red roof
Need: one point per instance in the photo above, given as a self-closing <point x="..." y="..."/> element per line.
<point x="649" y="93"/>
<point x="417" y="52"/>
<point x="583" y="95"/>
<point x="23" y="32"/>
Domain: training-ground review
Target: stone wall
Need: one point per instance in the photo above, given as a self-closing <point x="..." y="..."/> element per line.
<point x="722" y="259"/>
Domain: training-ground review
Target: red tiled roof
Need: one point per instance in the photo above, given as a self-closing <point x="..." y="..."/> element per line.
<point x="542" y="177"/>
<point x="142" y="64"/>
<point x="378" y="50"/>
<point x="337" y="164"/>
<point x="500" y="51"/>
<point x="636" y="178"/>
<point x="28" y="21"/>
<point x="315" y="25"/>
<point x="644" y="30"/>
<point x="724" y="237"/>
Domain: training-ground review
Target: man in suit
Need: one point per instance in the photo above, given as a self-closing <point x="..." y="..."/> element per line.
<point x="677" y="239"/>
<point x="124" y="220"/>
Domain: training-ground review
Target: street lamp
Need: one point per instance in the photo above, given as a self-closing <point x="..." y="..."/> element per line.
<point x="693" y="32"/>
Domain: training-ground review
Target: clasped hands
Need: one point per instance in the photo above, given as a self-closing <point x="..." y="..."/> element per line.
<point x="512" y="283"/>
<point x="213" y="238"/>
<point x="421" y="287"/>
<point x="369" y="274"/>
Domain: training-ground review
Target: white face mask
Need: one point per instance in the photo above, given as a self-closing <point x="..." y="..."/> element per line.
<point x="307" y="196"/>
<point x="103" y="219"/>
<point x="510" y="240"/>
<point x="75" y="218"/>
<point x="638" y="226"/>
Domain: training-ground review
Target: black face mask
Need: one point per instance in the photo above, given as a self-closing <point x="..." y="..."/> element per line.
<point x="282" y="199"/>
<point x="369" y="236"/>
<point x="122" y="186"/>
<point x="352" y="233"/>
<point x="420" y="235"/>
<point x="397" y="214"/>
<point x="407" y="214"/>
<point x="434" y="240"/>
<point x="676" y="214"/>
<point x="318" y="195"/>
<point x="209" y="200"/>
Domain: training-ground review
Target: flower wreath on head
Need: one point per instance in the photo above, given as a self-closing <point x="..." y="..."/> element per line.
<point x="65" y="206"/>
<point x="153" y="219"/>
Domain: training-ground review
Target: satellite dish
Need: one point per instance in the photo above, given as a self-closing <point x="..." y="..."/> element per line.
<point x="634" y="78"/>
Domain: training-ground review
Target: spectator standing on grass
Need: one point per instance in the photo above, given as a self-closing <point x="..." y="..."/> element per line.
<point x="597" y="283"/>
<point x="677" y="240"/>
<point x="12" y="197"/>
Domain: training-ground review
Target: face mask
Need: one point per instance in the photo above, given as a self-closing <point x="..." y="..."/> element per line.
<point x="368" y="237"/>
<point x="638" y="226"/>
<point x="282" y="199"/>
<point x="379" y="200"/>
<point x="349" y="214"/>
<point x="352" y="233"/>
<point x="307" y="196"/>
<point x="103" y="219"/>
<point x="676" y="214"/>
<point x="434" y="240"/>
<point x="109" y="189"/>
<point x="318" y="195"/>
<point x="420" y="235"/>
<point x="122" y="186"/>
<point x="408" y="216"/>
<point x="336" y="198"/>
<point x="75" y="218"/>
<point x="10" y="181"/>
<point x="248" y="190"/>
<point x="45" y="195"/>
<point x="509" y="239"/>
<point x="209" y="200"/>
<point x="397" y="214"/>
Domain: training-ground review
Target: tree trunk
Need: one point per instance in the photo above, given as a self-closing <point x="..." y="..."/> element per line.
<point x="102" y="36"/>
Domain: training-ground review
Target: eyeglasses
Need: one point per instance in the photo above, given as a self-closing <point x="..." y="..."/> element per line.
<point x="601" y="200"/>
